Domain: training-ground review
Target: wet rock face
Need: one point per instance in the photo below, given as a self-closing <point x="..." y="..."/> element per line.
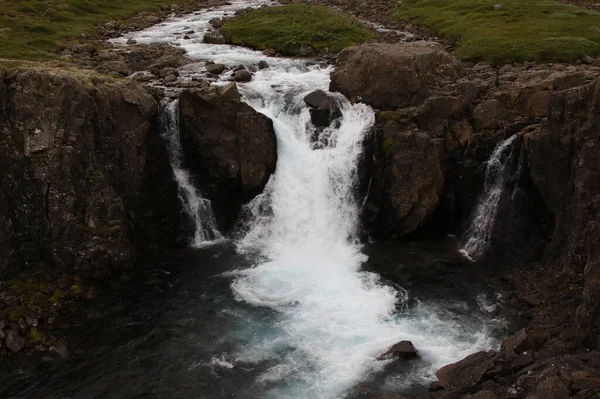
<point x="389" y="76"/>
<point x="323" y="108"/>
<point x="565" y="168"/>
<point x="81" y="166"/>
<point x="229" y="148"/>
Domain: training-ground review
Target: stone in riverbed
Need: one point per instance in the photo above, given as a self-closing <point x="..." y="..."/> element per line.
<point x="324" y="109"/>
<point x="216" y="23"/>
<point x="262" y="65"/>
<point x="14" y="342"/>
<point x="215" y="69"/>
<point x="214" y="38"/>
<point x="242" y="75"/>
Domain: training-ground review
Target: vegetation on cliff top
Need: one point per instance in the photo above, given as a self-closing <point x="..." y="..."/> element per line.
<point x="505" y="31"/>
<point x="295" y="28"/>
<point x="37" y="30"/>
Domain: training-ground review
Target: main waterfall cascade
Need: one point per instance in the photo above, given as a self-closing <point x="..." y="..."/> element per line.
<point x="199" y="209"/>
<point x="328" y="319"/>
<point x="479" y="234"/>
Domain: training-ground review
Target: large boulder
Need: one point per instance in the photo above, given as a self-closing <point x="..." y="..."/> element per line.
<point x="390" y="76"/>
<point x="323" y="108"/>
<point x="86" y="182"/>
<point x="228" y="146"/>
<point x="466" y="372"/>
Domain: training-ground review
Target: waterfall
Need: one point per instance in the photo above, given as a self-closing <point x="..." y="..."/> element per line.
<point x="478" y="236"/>
<point x="197" y="208"/>
<point x="314" y="322"/>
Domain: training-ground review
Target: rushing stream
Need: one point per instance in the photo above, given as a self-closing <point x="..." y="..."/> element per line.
<point x="295" y="307"/>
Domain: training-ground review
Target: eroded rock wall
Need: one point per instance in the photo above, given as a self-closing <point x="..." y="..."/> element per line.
<point x="86" y="184"/>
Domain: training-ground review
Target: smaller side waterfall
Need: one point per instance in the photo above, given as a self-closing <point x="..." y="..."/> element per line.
<point x="478" y="236"/>
<point x="198" y="209"/>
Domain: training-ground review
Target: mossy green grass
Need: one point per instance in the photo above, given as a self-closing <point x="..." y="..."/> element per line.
<point x="507" y="31"/>
<point x="293" y="28"/>
<point x="37" y="30"/>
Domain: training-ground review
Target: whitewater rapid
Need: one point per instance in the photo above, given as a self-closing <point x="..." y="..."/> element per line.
<point x="331" y="320"/>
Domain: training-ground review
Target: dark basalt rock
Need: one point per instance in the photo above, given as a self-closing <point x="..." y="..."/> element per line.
<point x="401" y="350"/>
<point x="215" y="69"/>
<point x="86" y="182"/>
<point x="324" y="109"/>
<point x="242" y="75"/>
<point x="229" y="148"/>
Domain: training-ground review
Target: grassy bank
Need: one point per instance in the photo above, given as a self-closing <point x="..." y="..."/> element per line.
<point x="291" y="28"/>
<point x="504" y="31"/>
<point x="37" y="30"/>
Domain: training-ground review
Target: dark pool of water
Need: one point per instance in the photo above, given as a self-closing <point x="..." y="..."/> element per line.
<point x="158" y="336"/>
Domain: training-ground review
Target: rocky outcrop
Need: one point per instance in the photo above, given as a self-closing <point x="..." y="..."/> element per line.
<point x="86" y="184"/>
<point x="391" y="76"/>
<point x="436" y="131"/>
<point x="228" y="146"/>
<point x="566" y="170"/>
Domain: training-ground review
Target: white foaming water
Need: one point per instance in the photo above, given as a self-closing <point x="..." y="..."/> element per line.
<point x="479" y="234"/>
<point x="198" y="209"/>
<point x="332" y="320"/>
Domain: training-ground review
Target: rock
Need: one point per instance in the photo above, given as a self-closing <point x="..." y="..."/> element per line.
<point x="324" y="109"/>
<point x="517" y="342"/>
<point x="270" y="52"/>
<point x="164" y="72"/>
<point x="216" y="22"/>
<point x="401" y="350"/>
<point x="488" y="115"/>
<point x="552" y="388"/>
<point x="242" y="75"/>
<point x="586" y="59"/>
<point x="466" y="372"/>
<point x="14" y="342"/>
<point x="170" y="78"/>
<point x="483" y="395"/>
<point x="408" y="180"/>
<point x="215" y="69"/>
<point x="230" y="92"/>
<point x="262" y="65"/>
<point x="132" y="41"/>
<point x="214" y="38"/>
<point x="64" y="282"/>
<point x="228" y="146"/>
<point x="97" y="145"/>
<point x="584" y="380"/>
<point x="390" y="76"/>
<point x="498" y="6"/>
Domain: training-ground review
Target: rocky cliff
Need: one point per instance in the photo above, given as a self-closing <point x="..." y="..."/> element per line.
<point x="86" y="183"/>
<point x="432" y="139"/>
